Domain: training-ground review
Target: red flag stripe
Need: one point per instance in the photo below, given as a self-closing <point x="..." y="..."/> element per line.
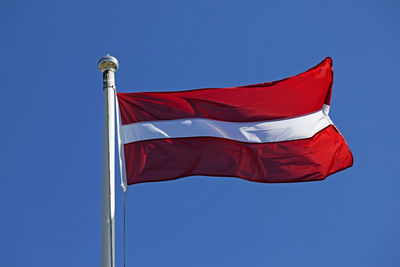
<point x="291" y="161"/>
<point x="295" y="96"/>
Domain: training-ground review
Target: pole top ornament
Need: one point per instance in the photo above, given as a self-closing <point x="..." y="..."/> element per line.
<point x="108" y="62"/>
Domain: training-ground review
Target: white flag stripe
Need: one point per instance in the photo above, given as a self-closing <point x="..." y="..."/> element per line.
<point x="252" y="132"/>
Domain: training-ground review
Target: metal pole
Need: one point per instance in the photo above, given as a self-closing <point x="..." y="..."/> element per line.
<point x="108" y="65"/>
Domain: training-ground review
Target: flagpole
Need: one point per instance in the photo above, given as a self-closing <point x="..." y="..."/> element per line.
<point x="108" y="65"/>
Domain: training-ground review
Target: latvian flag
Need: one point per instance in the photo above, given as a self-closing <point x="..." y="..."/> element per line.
<point x="270" y="132"/>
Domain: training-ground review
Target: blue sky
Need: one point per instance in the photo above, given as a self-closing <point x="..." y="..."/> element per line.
<point x="52" y="127"/>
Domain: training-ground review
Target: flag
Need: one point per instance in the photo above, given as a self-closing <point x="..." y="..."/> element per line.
<point x="270" y="132"/>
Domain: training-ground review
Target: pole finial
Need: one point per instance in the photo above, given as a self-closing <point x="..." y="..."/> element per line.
<point x="108" y="62"/>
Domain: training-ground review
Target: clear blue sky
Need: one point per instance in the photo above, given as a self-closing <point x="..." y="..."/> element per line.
<point x="52" y="129"/>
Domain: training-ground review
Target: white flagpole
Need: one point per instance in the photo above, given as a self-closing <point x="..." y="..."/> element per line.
<point x="108" y="65"/>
